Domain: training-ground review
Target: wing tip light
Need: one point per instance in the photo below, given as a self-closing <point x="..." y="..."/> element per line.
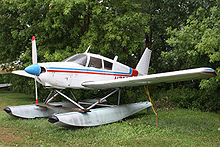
<point x="209" y="71"/>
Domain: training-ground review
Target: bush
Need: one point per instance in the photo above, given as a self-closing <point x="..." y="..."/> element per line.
<point x="190" y="98"/>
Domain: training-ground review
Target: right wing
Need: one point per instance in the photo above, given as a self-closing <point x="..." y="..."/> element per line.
<point x="23" y="73"/>
<point x="167" y="77"/>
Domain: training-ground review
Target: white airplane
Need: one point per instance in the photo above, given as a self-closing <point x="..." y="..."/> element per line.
<point x="92" y="71"/>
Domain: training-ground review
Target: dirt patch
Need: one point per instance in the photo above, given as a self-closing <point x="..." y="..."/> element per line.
<point x="8" y="135"/>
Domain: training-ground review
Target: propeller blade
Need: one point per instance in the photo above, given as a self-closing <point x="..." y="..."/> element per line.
<point x="36" y="95"/>
<point x="35" y="68"/>
<point x="34" y="51"/>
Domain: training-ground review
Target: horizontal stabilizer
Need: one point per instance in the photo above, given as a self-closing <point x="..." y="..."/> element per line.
<point x="167" y="77"/>
<point x="23" y="73"/>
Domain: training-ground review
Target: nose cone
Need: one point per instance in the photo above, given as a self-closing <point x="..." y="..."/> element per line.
<point x="33" y="69"/>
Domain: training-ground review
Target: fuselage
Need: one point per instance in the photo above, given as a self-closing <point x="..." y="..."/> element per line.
<point x="81" y="68"/>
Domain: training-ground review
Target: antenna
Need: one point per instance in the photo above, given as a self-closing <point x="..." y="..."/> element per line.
<point x="116" y="58"/>
<point x="87" y="49"/>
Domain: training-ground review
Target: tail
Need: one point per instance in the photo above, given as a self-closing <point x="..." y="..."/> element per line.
<point x="143" y="64"/>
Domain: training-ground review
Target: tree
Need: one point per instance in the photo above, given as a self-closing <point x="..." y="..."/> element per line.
<point x="19" y="21"/>
<point x="196" y="44"/>
<point x="164" y="14"/>
<point x="117" y="28"/>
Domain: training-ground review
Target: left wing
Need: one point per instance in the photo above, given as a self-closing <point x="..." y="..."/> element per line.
<point x="167" y="77"/>
<point x="23" y="73"/>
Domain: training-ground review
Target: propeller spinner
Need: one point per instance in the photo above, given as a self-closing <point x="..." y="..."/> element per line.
<point x="33" y="69"/>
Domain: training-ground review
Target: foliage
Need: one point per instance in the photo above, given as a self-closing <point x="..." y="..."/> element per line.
<point x="117" y="28"/>
<point x="197" y="44"/>
<point x="188" y="98"/>
<point x="164" y="14"/>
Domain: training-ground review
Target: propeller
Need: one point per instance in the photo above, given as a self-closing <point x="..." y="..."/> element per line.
<point x="34" y="69"/>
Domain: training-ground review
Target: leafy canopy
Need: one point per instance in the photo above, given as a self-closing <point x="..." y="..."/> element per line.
<point x="197" y="43"/>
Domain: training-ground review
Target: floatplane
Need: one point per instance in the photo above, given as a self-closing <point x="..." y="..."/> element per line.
<point x="92" y="72"/>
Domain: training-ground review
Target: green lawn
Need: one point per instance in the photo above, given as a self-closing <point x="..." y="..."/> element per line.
<point x="178" y="127"/>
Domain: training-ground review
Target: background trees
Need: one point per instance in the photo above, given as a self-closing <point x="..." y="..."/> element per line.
<point x="182" y="34"/>
<point x="197" y="44"/>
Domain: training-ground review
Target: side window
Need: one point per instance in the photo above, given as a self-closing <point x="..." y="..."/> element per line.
<point x="95" y="62"/>
<point x="107" y="65"/>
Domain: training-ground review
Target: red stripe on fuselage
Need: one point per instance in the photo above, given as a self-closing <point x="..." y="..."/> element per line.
<point x="134" y="72"/>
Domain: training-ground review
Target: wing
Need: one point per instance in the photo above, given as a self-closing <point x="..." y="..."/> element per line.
<point x="168" y="77"/>
<point x="23" y="73"/>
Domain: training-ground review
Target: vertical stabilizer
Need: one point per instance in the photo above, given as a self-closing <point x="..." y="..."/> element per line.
<point x="143" y="64"/>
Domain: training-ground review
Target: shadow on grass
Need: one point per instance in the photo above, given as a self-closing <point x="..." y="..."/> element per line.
<point x="138" y="115"/>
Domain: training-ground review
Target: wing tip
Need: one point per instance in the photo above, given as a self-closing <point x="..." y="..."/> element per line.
<point x="210" y="71"/>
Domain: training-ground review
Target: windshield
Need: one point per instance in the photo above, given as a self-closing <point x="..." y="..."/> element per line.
<point x="78" y="58"/>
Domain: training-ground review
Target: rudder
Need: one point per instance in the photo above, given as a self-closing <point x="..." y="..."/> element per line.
<point x="143" y="64"/>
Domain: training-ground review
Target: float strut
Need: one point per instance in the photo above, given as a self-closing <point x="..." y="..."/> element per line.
<point x="70" y="100"/>
<point x="119" y="96"/>
<point x="93" y="105"/>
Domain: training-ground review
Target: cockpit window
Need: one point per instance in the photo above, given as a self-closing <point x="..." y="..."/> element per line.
<point x="107" y="65"/>
<point x="95" y="62"/>
<point x="79" y="59"/>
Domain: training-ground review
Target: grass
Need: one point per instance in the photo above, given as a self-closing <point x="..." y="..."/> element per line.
<point x="177" y="127"/>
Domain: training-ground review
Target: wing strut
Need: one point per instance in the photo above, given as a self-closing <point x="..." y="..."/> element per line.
<point x="148" y="94"/>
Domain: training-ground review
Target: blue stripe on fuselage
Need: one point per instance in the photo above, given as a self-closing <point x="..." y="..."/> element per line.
<point x="89" y="70"/>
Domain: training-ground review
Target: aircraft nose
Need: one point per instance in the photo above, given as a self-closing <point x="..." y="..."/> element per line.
<point x="33" y="69"/>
